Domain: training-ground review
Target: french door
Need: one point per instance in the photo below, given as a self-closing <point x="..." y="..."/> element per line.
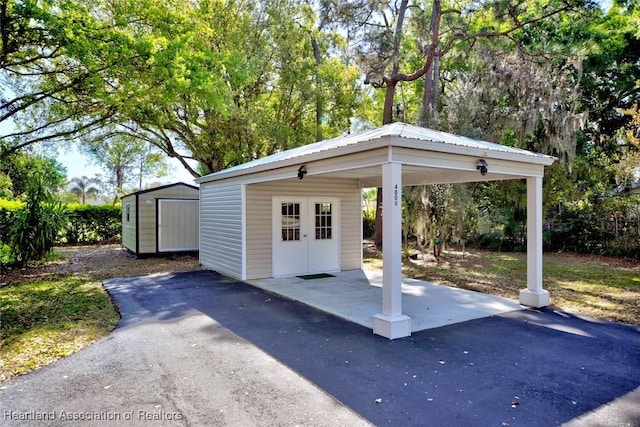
<point x="306" y="235"/>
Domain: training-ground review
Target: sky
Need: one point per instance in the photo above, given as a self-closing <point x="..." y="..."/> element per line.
<point x="78" y="165"/>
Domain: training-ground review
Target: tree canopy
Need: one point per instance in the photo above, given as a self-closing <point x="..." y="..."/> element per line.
<point x="222" y="82"/>
<point x="218" y="82"/>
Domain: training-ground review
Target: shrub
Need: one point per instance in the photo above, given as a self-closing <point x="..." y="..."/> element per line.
<point x="92" y="224"/>
<point x="8" y="209"/>
<point x="368" y="222"/>
<point x="29" y="230"/>
<point x="36" y="225"/>
<point x="602" y="226"/>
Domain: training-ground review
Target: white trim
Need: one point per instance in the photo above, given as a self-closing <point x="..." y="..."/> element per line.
<point x="534" y="295"/>
<point x="307" y="242"/>
<point x="326" y="166"/>
<point x="393" y="135"/>
<point x="486" y="153"/>
<point x="460" y="178"/>
<point x="292" y="162"/>
<point x="392" y="242"/>
<point x="178" y="249"/>
<point x="199" y="222"/>
<point x="243" y="231"/>
<point x="160" y="202"/>
<point x="277" y="246"/>
<point x="361" y="231"/>
<point x="391" y="323"/>
<point x="312" y="172"/>
<point x="336" y="221"/>
<point x="534" y="233"/>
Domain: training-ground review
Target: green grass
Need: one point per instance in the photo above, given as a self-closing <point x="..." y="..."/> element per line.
<point x="45" y="319"/>
<point x="599" y="287"/>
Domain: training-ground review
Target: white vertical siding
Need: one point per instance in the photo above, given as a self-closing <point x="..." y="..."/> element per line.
<point x="259" y="211"/>
<point x="147" y="221"/>
<point x="178" y="221"/>
<point x="221" y="227"/>
<point x="129" y="227"/>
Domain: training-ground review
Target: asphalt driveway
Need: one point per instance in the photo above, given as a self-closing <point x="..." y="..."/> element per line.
<point x="196" y="349"/>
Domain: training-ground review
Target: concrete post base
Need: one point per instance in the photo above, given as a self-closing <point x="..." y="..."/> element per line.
<point x="392" y="327"/>
<point x="534" y="298"/>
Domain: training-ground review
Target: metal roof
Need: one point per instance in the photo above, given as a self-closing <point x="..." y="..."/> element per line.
<point x="163" y="187"/>
<point x="398" y="129"/>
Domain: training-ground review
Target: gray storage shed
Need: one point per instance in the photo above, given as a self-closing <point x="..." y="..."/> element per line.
<point x="161" y="220"/>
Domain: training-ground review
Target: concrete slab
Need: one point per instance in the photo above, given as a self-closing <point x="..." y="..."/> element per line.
<point x="356" y="295"/>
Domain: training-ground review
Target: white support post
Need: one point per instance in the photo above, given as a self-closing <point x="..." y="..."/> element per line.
<point x="534" y="295"/>
<point x="391" y="323"/>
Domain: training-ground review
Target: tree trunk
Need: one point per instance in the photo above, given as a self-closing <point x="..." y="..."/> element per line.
<point x="319" y="103"/>
<point x="436" y="89"/>
<point x="377" y="225"/>
<point x="430" y="96"/>
<point x="119" y="183"/>
<point x="142" y="156"/>
<point x="386" y="119"/>
<point x="432" y="76"/>
<point x="425" y="120"/>
<point x="387" y="114"/>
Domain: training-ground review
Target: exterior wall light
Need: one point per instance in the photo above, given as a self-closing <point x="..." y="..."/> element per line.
<point x="483" y="167"/>
<point x="302" y="171"/>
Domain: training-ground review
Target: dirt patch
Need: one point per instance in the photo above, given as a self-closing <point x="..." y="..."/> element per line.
<point x="101" y="262"/>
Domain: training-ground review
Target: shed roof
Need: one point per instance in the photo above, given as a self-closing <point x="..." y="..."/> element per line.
<point x="162" y="187"/>
<point x="395" y="134"/>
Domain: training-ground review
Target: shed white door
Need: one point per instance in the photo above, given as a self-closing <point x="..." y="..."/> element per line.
<point x="306" y="235"/>
<point x="178" y="225"/>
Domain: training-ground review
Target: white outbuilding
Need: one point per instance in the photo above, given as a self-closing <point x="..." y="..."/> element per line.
<point x="161" y="220"/>
<point x="300" y="211"/>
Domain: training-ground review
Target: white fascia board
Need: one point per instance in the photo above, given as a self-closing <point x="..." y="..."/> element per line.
<point x="243" y="231"/>
<point x="463" y="163"/>
<point x="384" y="141"/>
<point x="297" y="161"/>
<point x="438" y="146"/>
<point x="406" y="182"/>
